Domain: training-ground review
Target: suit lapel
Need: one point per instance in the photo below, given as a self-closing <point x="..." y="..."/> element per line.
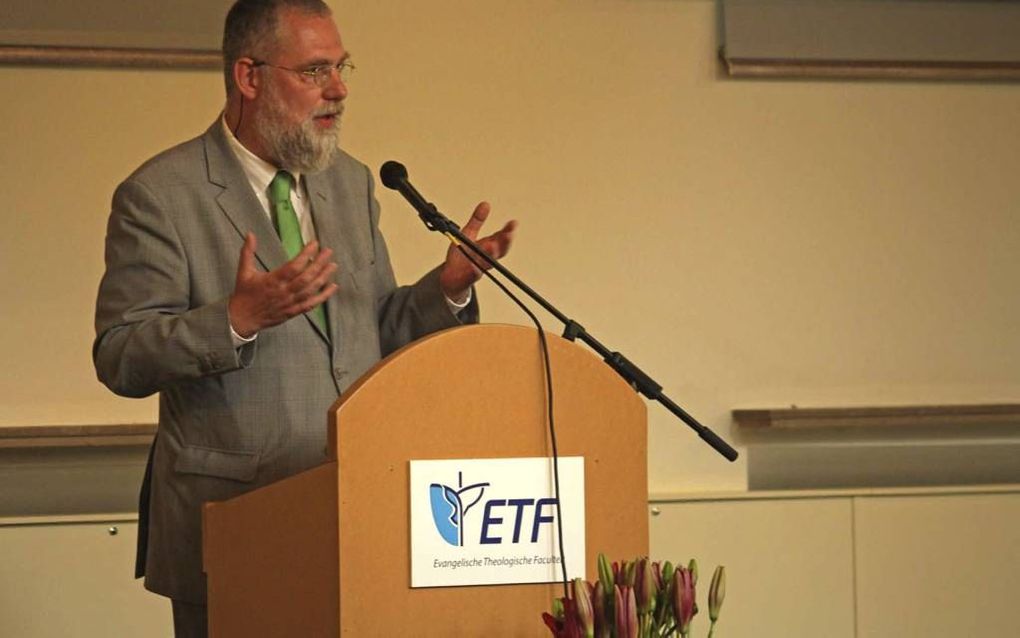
<point x="321" y="204"/>
<point x="237" y="201"/>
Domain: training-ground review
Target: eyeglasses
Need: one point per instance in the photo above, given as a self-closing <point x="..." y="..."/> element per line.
<point x="320" y="74"/>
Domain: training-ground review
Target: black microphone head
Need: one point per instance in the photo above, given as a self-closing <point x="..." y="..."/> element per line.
<point x="392" y="174"/>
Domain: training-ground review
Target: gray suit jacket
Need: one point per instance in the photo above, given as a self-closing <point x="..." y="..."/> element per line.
<point x="233" y="420"/>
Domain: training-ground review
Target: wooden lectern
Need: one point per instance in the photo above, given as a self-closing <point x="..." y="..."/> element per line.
<point x="327" y="552"/>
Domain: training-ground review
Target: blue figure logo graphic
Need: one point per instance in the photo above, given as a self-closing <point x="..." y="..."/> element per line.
<point x="449" y="506"/>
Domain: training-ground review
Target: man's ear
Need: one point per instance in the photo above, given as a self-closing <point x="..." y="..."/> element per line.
<point x="246" y="78"/>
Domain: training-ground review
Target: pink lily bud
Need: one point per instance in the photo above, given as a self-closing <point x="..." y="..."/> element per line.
<point x="571" y="623"/>
<point x="683" y="599"/>
<point x="626" y="613"/>
<point x="627" y="571"/>
<point x="639" y="585"/>
<point x="603" y="615"/>
<point x="657" y="573"/>
<point x="692" y="566"/>
<point x="585" y="613"/>
<point x="716" y="593"/>
<point x="644" y="587"/>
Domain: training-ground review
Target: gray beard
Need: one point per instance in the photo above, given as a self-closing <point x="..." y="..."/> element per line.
<point x="299" y="148"/>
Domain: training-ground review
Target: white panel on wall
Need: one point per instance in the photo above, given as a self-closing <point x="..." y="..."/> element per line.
<point x="75" y="580"/>
<point x="789" y="563"/>
<point x="938" y="565"/>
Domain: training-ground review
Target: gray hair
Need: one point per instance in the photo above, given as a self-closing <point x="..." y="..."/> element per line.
<point x="250" y="30"/>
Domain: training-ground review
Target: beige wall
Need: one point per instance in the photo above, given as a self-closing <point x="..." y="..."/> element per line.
<point x="750" y="244"/>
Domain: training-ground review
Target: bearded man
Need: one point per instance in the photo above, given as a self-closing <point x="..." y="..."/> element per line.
<point x="248" y="284"/>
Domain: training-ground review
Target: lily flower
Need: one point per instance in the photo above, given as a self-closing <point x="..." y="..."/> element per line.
<point x="606" y="576"/>
<point x="693" y="567"/>
<point x="627" y="571"/>
<point x="585" y="613"/>
<point x="683" y="599"/>
<point x="644" y="587"/>
<point x="667" y="575"/>
<point x="626" y="613"/>
<point x="716" y="593"/>
<point x="602" y="606"/>
<point x="635" y="599"/>
<point x="657" y="573"/>
<point x="563" y="621"/>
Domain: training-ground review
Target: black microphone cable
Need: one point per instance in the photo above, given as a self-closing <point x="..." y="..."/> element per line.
<point x="394" y="176"/>
<point x="549" y="402"/>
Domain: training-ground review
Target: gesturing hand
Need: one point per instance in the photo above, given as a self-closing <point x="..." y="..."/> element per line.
<point x="458" y="274"/>
<point x="264" y="299"/>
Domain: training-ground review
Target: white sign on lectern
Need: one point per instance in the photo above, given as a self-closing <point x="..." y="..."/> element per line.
<point x="494" y="521"/>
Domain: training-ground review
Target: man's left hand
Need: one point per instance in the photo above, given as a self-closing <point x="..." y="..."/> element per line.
<point x="458" y="274"/>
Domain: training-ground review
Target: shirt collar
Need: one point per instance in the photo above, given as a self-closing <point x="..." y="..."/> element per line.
<point x="258" y="171"/>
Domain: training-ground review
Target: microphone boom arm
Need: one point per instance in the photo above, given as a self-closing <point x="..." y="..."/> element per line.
<point x="394" y="176"/>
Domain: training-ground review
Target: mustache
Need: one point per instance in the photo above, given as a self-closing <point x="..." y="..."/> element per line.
<point x="330" y="109"/>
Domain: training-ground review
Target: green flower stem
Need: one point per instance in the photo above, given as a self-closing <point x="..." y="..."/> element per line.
<point x="711" y="629"/>
<point x="645" y="626"/>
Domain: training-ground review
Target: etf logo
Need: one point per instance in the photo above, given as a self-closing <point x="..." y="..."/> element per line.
<point x="450" y="506"/>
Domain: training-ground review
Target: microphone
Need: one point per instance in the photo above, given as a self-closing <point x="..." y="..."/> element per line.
<point x="394" y="176"/>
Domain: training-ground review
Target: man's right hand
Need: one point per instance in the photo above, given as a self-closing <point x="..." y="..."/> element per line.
<point x="264" y="299"/>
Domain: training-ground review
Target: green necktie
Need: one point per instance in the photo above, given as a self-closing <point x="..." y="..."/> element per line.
<point x="289" y="229"/>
